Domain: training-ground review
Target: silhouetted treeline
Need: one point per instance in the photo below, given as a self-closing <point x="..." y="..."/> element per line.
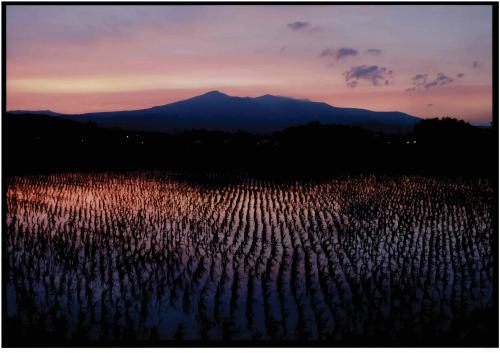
<point x="44" y="144"/>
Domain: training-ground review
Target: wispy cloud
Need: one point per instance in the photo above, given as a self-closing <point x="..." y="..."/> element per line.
<point x="327" y="52"/>
<point x="374" y="51"/>
<point x="440" y="80"/>
<point x="338" y="53"/>
<point x="421" y="82"/>
<point x="374" y="74"/>
<point x="299" y="25"/>
<point x="345" y="52"/>
<point x="419" y="77"/>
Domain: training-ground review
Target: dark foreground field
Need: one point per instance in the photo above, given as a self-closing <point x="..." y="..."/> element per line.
<point x="156" y="259"/>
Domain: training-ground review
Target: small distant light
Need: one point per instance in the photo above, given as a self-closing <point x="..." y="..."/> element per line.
<point x="407" y="142"/>
<point x="414" y="141"/>
<point x="142" y="142"/>
<point x="83" y="140"/>
<point x="127" y="136"/>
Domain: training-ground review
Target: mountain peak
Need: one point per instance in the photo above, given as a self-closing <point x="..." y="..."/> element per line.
<point x="270" y="97"/>
<point x="214" y="94"/>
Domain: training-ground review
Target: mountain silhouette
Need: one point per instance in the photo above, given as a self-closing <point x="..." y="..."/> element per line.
<point x="34" y="112"/>
<point x="215" y="110"/>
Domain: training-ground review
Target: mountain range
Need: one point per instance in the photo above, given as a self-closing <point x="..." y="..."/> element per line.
<point x="218" y="111"/>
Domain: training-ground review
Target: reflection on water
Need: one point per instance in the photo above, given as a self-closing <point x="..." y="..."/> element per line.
<point x="148" y="256"/>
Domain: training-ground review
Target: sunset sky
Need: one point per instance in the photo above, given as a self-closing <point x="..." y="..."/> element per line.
<point x="423" y="60"/>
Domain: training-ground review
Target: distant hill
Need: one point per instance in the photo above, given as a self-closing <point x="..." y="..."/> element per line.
<point x="34" y="112"/>
<point x="217" y="111"/>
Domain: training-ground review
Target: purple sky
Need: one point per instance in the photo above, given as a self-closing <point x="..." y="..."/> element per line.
<point x="424" y="60"/>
